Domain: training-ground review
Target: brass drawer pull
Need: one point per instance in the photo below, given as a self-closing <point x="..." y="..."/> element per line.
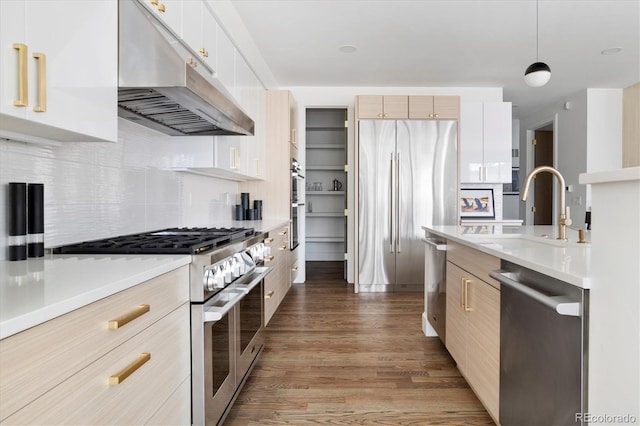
<point x="23" y="91"/>
<point x="283" y="232"/>
<point x="116" y="379"/>
<point x="284" y="247"/>
<point x="465" y="283"/>
<point x="294" y="269"/>
<point x="129" y="316"/>
<point x="268" y="259"/>
<point x="269" y="295"/>
<point x="268" y="240"/>
<point x="161" y="8"/>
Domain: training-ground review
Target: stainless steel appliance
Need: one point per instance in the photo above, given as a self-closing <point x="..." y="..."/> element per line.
<point x="543" y="348"/>
<point x="407" y="178"/>
<point x="161" y="87"/>
<point x="297" y="188"/>
<point x="227" y="304"/>
<point x="435" y="284"/>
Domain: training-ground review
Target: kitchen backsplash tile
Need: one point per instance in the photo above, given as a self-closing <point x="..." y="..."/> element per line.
<point x="97" y="190"/>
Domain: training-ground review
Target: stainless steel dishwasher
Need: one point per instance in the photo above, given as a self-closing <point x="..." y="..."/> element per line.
<point x="543" y="348"/>
<point x="435" y="287"/>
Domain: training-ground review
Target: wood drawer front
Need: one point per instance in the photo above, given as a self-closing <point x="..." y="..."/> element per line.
<point x="177" y="409"/>
<point x="36" y="360"/>
<point x="88" y="398"/>
<point x="473" y="261"/>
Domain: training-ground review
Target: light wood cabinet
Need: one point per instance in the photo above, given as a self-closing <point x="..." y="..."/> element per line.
<point x="383" y="107"/>
<point x="473" y="322"/>
<point x="485" y="142"/>
<point x="61" y="88"/>
<point x="434" y="107"/>
<point x="278" y="282"/>
<point x="58" y="372"/>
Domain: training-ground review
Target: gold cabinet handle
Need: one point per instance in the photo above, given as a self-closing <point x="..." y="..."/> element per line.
<point x="191" y="61"/>
<point x="379" y="115"/>
<point x="465" y="282"/>
<point x="294" y="139"/>
<point x="42" y="82"/>
<point x="435" y="115"/>
<point x="161" y="8"/>
<point x="385" y="115"/>
<point x="430" y="115"/>
<point x="235" y="156"/>
<point x="283" y="232"/>
<point x="269" y="295"/>
<point x="204" y="52"/>
<point x="268" y="240"/>
<point x="23" y="91"/>
<point x="154" y="2"/>
<point x="284" y="247"/>
<point x="294" y="269"/>
<point x="268" y="259"/>
<point x="462" y="293"/>
<point x="116" y="379"/>
<point x="129" y="316"/>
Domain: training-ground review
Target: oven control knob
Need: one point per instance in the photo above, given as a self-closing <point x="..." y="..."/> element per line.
<point x="235" y="268"/>
<point x="208" y="280"/>
<point x="228" y="272"/>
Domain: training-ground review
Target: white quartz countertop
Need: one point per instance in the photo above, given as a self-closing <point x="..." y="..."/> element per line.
<point x="36" y="290"/>
<point x="524" y="246"/>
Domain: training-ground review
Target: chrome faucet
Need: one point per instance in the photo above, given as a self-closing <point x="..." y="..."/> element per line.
<point x="564" y="219"/>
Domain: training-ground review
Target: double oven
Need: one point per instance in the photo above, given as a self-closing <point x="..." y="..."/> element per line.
<point x="226" y="285"/>
<point x="297" y="206"/>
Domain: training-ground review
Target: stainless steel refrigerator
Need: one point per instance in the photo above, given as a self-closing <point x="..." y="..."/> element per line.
<point x="408" y="178"/>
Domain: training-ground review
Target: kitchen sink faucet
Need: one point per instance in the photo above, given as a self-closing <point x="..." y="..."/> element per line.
<point x="564" y="219"/>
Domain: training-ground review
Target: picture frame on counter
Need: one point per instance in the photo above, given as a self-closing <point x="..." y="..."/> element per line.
<point x="477" y="203"/>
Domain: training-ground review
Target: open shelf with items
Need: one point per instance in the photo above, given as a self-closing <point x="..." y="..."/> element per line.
<point x="325" y="196"/>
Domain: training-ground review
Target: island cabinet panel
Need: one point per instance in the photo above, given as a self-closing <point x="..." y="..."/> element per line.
<point x="473" y="322"/>
<point x="34" y="362"/>
<point x="89" y="397"/>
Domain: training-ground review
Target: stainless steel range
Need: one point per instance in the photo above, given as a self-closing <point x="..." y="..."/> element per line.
<point x="227" y="304"/>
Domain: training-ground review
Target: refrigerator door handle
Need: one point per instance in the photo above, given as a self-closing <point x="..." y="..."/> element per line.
<point x="391" y="221"/>
<point x="397" y="234"/>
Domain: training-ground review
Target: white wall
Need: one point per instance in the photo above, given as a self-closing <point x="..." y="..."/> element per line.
<point x="96" y="190"/>
<point x="587" y="137"/>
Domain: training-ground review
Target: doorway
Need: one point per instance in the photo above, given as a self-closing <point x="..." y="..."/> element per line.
<point x="543" y="188"/>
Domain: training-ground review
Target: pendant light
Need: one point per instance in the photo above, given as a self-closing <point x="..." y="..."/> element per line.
<point x="538" y="73"/>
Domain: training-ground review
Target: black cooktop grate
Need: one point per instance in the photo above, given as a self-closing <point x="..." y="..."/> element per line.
<point x="164" y="241"/>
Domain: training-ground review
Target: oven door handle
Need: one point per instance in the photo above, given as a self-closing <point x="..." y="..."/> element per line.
<point x="215" y="313"/>
<point x="262" y="272"/>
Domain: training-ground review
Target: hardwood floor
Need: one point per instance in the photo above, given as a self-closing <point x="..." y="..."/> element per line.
<point x="335" y="357"/>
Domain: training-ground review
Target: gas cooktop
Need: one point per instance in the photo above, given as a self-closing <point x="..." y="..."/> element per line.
<point x="164" y="241"/>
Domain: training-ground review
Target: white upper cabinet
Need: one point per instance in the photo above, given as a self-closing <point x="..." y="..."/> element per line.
<point x="61" y="88"/>
<point x="485" y="142"/>
<point x="168" y="11"/>
<point x="226" y="62"/>
<point x="199" y="31"/>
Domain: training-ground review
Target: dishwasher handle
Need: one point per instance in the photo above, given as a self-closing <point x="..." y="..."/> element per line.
<point x="441" y="247"/>
<point x="561" y="304"/>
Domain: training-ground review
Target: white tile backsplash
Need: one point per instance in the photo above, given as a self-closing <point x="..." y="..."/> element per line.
<point x="96" y="190"/>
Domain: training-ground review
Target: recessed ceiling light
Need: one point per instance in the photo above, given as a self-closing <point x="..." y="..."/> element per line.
<point x="347" y="48"/>
<point x="611" y="50"/>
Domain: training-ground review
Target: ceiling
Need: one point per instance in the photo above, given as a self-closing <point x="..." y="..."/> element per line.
<point x="448" y="43"/>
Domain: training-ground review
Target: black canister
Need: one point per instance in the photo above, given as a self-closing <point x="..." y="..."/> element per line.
<point x="35" y="223"/>
<point x="244" y="200"/>
<point x="251" y="214"/>
<point x="257" y="205"/>
<point x="17" y="203"/>
<point x="239" y="212"/>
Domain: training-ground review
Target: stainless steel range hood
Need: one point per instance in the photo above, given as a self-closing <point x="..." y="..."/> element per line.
<point x="159" y="89"/>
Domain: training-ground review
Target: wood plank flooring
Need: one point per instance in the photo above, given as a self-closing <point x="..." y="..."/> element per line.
<point x="335" y="357"/>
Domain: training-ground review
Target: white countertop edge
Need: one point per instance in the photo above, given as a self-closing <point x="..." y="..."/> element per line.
<point x="620" y="175"/>
<point x="31" y="319"/>
<point x="578" y="281"/>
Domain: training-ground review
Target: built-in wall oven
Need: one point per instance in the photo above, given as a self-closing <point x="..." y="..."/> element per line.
<point x="297" y="186"/>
